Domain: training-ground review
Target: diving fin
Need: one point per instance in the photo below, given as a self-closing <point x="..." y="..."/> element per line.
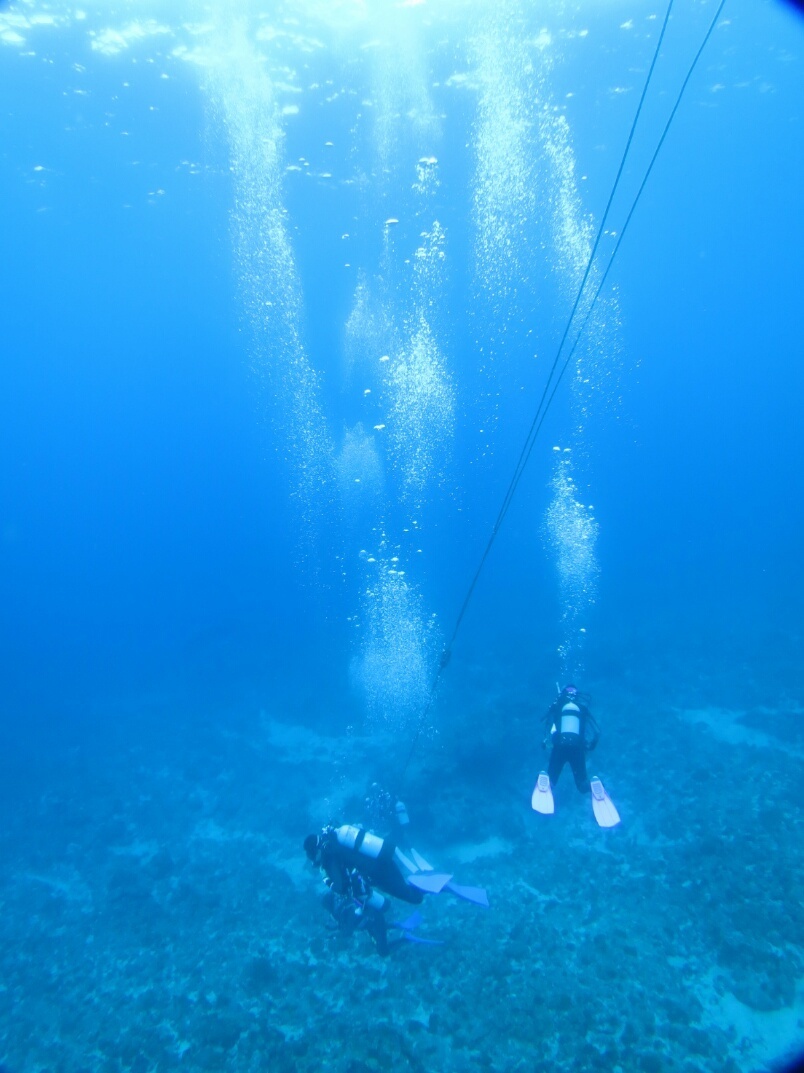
<point x="412" y="937"/>
<point x="476" y="895"/>
<point x="410" y="923"/>
<point x="421" y="863"/>
<point x="405" y="861"/>
<point x="408" y="928"/>
<point x="605" y="812"/>
<point x="542" y="797"/>
<point x="429" y="882"/>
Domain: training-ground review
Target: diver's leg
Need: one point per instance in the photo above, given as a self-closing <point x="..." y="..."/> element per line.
<point x="389" y="879"/>
<point x="378" y="930"/>
<point x="345" y="912"/>
<point x="577" y="760"/>
<point x="558" y="758"/>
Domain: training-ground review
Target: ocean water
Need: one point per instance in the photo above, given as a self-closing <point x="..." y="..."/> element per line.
<point x="282" y="288"/>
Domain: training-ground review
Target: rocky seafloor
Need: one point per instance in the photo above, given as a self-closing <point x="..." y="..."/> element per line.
<point x="157" y="912"/>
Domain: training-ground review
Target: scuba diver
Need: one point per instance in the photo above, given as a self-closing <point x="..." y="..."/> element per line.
<point x="357" y="907"/>
<point x="359" y="868"/>
<point x="338" y="851"/>
<point x="572" y="731"/>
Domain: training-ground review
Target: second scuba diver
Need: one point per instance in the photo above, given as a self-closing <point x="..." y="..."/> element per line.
<point x="572" y="731"/>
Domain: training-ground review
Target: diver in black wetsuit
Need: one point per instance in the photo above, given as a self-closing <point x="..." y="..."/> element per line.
<point x="357" y="866"/>
<point x="337" y="850"/>
<point x="354" y="862"/>
<point x="572" y="731"/>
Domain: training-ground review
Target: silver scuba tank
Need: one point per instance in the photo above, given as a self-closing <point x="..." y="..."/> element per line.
<point x="356" y="838"/>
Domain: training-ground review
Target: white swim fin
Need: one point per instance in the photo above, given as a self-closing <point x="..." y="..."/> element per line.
<point x="605" y="812"/>
<point x="542" y="797"/>
<point x="421" y="863"/>
<point x="406" y="862"/>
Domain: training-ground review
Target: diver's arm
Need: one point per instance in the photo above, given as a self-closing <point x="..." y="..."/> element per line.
<point x="591" y="725"/>
<point x="551" y="714"/>
<point x="548" y="720"/>
<point x="336" y="872"/>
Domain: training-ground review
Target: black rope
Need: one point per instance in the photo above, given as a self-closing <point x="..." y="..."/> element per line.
<point x="522" y="461"/>
<point x="620" y="236"/>
<point x="548" y="395"/>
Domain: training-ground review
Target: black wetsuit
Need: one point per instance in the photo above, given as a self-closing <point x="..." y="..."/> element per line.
<point x="381" y="871"/>
<point x="573" y="731"/>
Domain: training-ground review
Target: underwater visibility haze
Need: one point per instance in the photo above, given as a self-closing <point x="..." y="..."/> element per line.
<point x="359" y="392"/>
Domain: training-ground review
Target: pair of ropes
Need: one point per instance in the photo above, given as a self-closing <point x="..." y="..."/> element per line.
<point x="559" y="366"/>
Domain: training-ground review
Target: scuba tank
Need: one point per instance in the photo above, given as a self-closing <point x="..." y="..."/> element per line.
<point x="374" y="901"/>
<point x="570" y="721"/>
<point x="363" y="895"/>
<point x="355" y="838"/>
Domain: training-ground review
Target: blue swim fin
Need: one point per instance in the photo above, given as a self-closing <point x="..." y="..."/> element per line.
<point x="411" y="938"/>
<point x="408" y="928"/>
<point x="410" y="923"/>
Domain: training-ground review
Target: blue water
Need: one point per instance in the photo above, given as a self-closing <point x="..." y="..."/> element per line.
<point x="255" y="438"/>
